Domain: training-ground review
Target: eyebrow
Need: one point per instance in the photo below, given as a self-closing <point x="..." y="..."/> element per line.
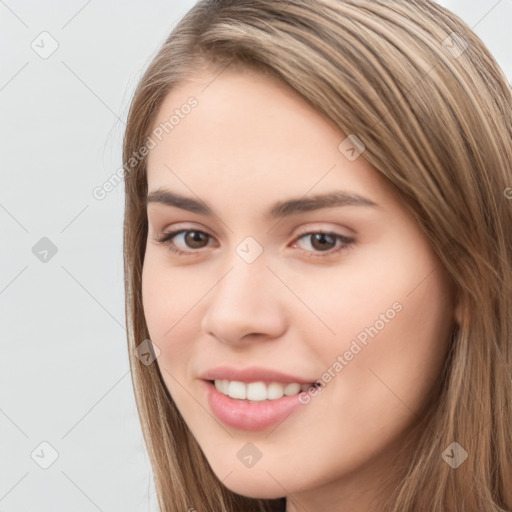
<point x="280" y="209"/>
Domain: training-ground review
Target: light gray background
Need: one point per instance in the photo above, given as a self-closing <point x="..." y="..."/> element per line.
<point x="64" y="376"/>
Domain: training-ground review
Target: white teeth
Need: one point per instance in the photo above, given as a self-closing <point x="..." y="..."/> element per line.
<point x="258" y="391"/>
<point x="275" y="391"/>
<point x="291" y="389"/>
<point x="237" y="390"/>
<point x="222" y="386"/>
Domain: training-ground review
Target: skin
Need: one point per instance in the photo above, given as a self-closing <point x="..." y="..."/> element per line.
<point x="249" y="143"/>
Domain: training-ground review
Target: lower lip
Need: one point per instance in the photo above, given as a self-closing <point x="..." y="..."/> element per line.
<point x="247" y="415"/>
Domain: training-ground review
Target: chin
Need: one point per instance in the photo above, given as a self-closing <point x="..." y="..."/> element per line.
<point x="261" y="486"/>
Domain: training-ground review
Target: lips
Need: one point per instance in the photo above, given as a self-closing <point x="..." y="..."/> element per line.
<point x="246" y="414"/>
<point x="249" y="416"/>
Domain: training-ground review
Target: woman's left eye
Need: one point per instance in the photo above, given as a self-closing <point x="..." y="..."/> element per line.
<point x="324" y="242"/>
<point x="320" y="242"/>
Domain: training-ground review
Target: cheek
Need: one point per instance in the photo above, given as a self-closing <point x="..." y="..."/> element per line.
<point x="393" y="344"/>
<point x="168" y="295"/>
<point x="169" y="299"/>
<point x="378" y="371"/>
<point x="156" y="299"/>
<point x="168" y="304"/>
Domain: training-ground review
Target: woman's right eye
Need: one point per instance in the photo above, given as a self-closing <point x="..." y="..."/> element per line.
<point x="197" y="238"/>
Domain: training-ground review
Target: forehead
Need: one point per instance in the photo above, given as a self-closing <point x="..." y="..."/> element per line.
<point x="249" y="107"/>
<point x="249" y="134"/>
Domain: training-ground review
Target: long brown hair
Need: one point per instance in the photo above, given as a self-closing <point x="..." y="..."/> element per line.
<point x="434" y="111"/>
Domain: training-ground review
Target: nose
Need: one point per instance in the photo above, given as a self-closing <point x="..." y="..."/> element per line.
<point x="245" y="304"/>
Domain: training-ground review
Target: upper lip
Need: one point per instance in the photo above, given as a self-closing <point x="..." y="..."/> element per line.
<point x="252" y="374"/>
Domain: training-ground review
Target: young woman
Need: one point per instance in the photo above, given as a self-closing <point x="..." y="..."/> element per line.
<point x="318" y="249"/>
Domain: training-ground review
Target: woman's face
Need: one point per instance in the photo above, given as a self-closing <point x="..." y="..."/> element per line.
<point x="276" y="277"/>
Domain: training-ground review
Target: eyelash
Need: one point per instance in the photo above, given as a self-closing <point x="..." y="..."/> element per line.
<point x="167" y="239"/>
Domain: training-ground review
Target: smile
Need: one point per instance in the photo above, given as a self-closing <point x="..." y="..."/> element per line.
<point x="251" y="415"/>
<point x="258" y="391"/>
